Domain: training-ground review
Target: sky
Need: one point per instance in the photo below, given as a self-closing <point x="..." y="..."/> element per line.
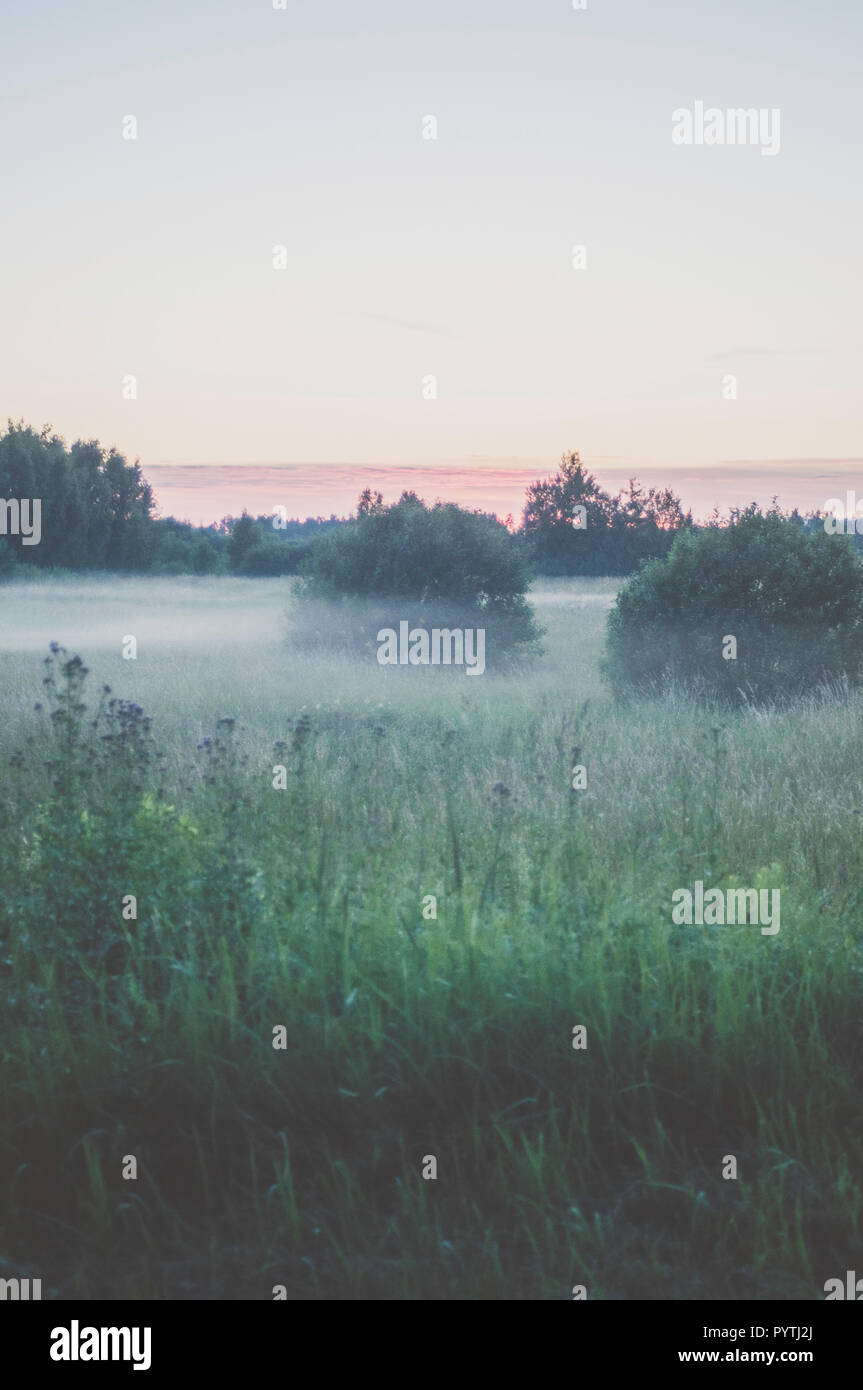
<point x="204" y="493"/>
<point x="425" y="312"/>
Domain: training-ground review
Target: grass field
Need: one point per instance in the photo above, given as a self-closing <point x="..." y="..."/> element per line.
<point x="407" y="1035"/>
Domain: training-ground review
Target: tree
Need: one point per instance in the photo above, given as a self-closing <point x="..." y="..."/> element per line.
<point x="551" y="503"/>
<point x="204" y="558"/>
<point x="638" y="509"/>
<point x="245" y="534"/>
<point x="574" y="527"/>
<point x="96" y="506"/>
<point x="370" y="502"/>
<point x="438" y="566"/>
<point x="761" y="609"/>
<point x="271" y="558"/>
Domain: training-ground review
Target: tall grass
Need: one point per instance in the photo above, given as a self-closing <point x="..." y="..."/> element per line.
<point x="410" y="1036"/>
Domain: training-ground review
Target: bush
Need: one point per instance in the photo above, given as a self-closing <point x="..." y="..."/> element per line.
<point x="792" y="599"/>
<point x="272" y="558"/>
<point x="205" y="559"/>
<point x="437" y="566"/>
<point x="245" y="535"/>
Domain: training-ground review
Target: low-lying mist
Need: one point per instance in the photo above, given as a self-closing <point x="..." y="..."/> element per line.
<point x="212" y="647"/>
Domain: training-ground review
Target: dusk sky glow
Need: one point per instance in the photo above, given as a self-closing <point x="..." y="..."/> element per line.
<point x="405" y="258"/>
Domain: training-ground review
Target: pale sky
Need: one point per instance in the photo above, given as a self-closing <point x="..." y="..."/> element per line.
<point x="450" y="258"/>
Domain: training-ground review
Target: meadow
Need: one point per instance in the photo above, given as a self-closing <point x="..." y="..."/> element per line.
<point x="412" y="1030"/>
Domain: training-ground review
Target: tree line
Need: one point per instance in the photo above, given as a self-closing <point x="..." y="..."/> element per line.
<point x="98" y="514"/>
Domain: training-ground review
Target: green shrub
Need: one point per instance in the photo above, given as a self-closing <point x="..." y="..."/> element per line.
<point x="272" y="558"/>
<point x="792" y="599"/>
<point x="204" y="558"/>
<point x="437" y="566"/>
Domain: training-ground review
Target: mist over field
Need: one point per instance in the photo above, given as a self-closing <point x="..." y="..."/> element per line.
<point x="377" y="924"/>
<point x="207" y="645"/>
<point x="431" y="673"/>
<point x="163" y="612"/>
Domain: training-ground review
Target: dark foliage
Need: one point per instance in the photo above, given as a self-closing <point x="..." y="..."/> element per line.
<point x="573" y="527"/>
<point x="790" y="596"/>
<point x="446" y="565"/>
